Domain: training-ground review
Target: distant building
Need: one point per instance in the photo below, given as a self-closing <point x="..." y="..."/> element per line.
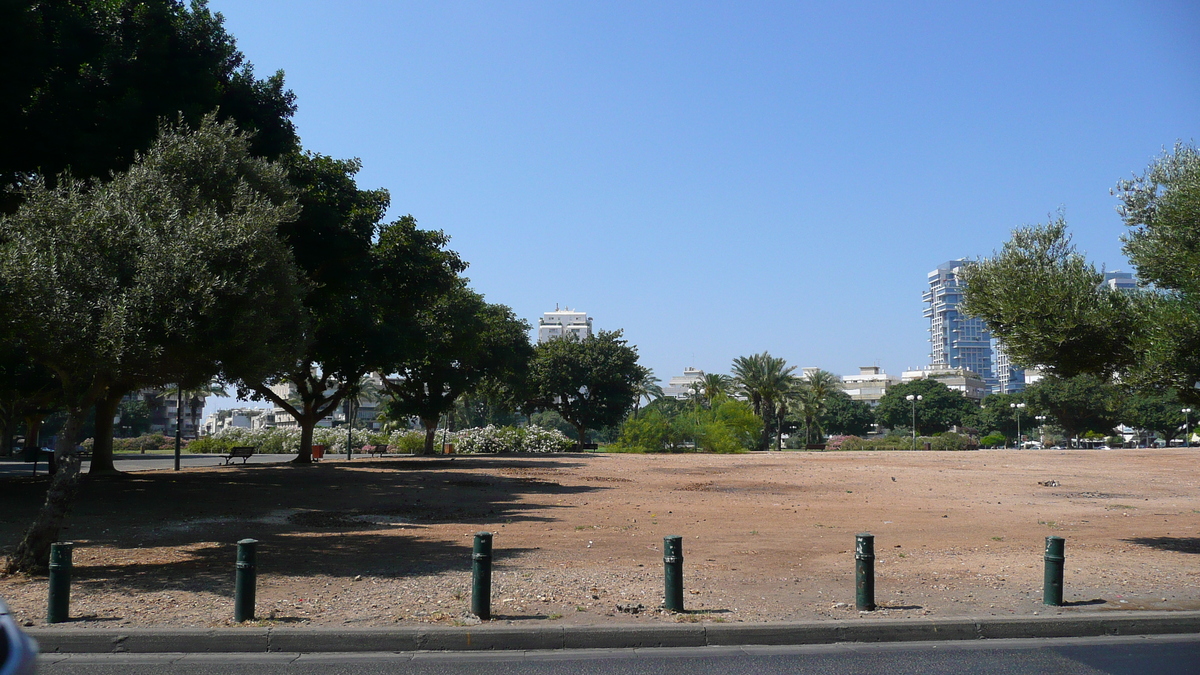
<point x="1010" y="377"/>
<point x="1120" y="281"/>
<point x="968" y="383"/>
<point x="869" y="385"/>
<point x="564" y="322"/>
<point x="241" y="418"/>
<point x="164" y="414"/>
<point x="956" y="342"/>
<point x="681" y="386"/>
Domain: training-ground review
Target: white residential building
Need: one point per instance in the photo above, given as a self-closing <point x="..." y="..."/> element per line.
<point x="680" y="386"/>
<point x="564" y="322"/>
<point x="967" y="382"/>
<point x="869" y="385"/>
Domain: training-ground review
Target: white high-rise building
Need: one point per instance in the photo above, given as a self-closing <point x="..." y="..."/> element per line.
<point x="956" y="341"/>
<point x="681" y="386"/>
<point x="562" y="322"/>
<point x="869" y="385"/>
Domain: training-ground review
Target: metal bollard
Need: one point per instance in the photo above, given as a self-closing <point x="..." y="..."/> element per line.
<point x="1052" y="584"/>
<point x="244" y="586"/>
<point x="59" y="605"/>
<point x="864" y="572"/>
<point x="481" y="576"/>
<point x="673" y="572"/>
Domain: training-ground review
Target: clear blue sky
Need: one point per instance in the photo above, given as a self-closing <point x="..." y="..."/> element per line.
<point x="719" y="179"/>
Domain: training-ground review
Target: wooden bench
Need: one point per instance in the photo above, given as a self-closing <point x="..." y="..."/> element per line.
<point x="380" y="450"/>
<point x="243" y="452"/>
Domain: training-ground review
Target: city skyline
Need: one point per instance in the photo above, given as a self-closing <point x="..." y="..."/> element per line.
<point x="717" y="179"/>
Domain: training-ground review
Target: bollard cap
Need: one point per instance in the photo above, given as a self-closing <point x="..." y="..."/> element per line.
<point x="63" y="544"/>
<point x="247" y="541"/>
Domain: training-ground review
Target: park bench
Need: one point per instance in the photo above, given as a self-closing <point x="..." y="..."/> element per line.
<point x="241" y="452"/>
<point x="380" y="450"/>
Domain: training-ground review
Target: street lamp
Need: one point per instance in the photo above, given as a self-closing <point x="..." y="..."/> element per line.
<point x="1042" y="426"/>
<point x="1017" y="407"/>
<point x="914" y="399"/>
<point x="1187" y="427"/>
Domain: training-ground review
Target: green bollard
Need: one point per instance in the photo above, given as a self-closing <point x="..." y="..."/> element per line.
<point x="1052" y="584"/>
<point x="481" y="576"/>
<point x="244" y="586"/>
<point x="673" y="572"/>
<point x="864" y="572"/>
<point x="59" y="605"/>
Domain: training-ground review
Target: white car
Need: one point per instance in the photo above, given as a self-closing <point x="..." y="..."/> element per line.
<point x="18" y="651"/>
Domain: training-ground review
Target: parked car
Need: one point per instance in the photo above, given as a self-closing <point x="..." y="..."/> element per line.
<point x="18" y="651"/>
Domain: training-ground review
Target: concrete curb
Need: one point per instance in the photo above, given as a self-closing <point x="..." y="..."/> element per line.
<point x="407" y="639"/>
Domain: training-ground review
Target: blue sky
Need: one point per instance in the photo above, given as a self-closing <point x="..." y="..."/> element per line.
<point x="719" y="179"/>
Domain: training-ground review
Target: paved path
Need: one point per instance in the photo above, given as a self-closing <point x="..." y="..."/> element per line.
<point x="159" y="460"/>
<point x="1156" y="655"/>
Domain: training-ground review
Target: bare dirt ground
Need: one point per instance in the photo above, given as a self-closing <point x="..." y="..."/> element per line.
<point x="767" y="537"/>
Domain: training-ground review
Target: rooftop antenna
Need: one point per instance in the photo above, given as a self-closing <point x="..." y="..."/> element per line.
<point x="556" y="306"/>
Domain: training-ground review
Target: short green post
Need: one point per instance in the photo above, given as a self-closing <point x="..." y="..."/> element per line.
<point x="481" y="576"/>
<point x="864" y="572"/>
<point x="673" y="572"/>
<point x="247" y="579"/>
<point x="1052" y="585"/>
<point x="59" y="605"/>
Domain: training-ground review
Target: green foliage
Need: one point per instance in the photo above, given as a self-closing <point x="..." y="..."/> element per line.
<point x="939" y="408"/>
<point x="1084" y="403"/>
<point x="729" y="427"/>
<point x="1160" y="412"/>
<point x="768" y="384"/>
<point x="90" y="80"/>
<point x="1042" y="298"/>
<point x="951" y="441"/>
<point x="1115" y="441"/>
<point x="997" y="414"/>
<point x="590" y="382"/>
<point x="993" y="440"/>
<point x="845" y="416"/>
<point x="459" y="341"/>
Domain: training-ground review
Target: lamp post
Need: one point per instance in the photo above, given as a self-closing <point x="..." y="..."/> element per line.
<point x="1187" y="427"/>
<point x="914" y="398"/>
<point x="1017" y="407"/>
<point x="1042" y="427"/>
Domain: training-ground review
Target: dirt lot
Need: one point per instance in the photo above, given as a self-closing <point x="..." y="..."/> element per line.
<point x="767" y="537"/>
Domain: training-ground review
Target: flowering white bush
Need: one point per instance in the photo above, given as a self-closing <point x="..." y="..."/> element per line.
<point x="493" y="439"/>
<point x="269" y="441"/>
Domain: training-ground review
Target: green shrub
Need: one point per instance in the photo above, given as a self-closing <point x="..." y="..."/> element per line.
<point x="993" y="440"/>
<point x="951" y="441"/>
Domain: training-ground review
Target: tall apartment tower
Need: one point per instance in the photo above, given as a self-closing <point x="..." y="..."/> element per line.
<point x="562" y="322"/>
<point x="1010" y="377"/>
<point x="956" y="341"/>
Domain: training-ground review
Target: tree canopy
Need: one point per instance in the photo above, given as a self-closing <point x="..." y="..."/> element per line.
<point x="171" y="272"/>
<point x="1079" y="404"/>
<point x="461" y="340"/>
<point x="592" y="382"/>
<point x="84" y="85"/>
<point x="939" y="409"/>
<point x="1045" y="301"/>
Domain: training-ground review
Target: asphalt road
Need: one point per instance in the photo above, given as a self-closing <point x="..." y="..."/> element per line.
<point x="1157" y="655"/>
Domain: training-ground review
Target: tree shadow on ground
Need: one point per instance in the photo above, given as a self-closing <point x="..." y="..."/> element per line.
<point x="1176" y="544"/>
<point x="337" y="518"/>
<point x="210" y="567"/>
<point x="1085" y="603"/>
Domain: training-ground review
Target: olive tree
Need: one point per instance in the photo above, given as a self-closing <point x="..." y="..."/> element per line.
<point x="171" y="272"/>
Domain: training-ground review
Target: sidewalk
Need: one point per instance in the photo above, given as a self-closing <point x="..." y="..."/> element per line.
<point x="407" y="639"/>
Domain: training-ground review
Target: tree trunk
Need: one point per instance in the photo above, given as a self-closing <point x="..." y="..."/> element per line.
<point x="102" y="442"/>
<point x="33" y="553"/>
<point x="582" y="434"/>
<point x="304" y="452"/>
<point x="430" y="434"/>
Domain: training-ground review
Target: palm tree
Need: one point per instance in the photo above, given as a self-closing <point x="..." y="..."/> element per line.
<point x="766" y="380"/>
<point x="647" y="387"/>
<point x="812" y="393"/>
<point x="713" y="385"/>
